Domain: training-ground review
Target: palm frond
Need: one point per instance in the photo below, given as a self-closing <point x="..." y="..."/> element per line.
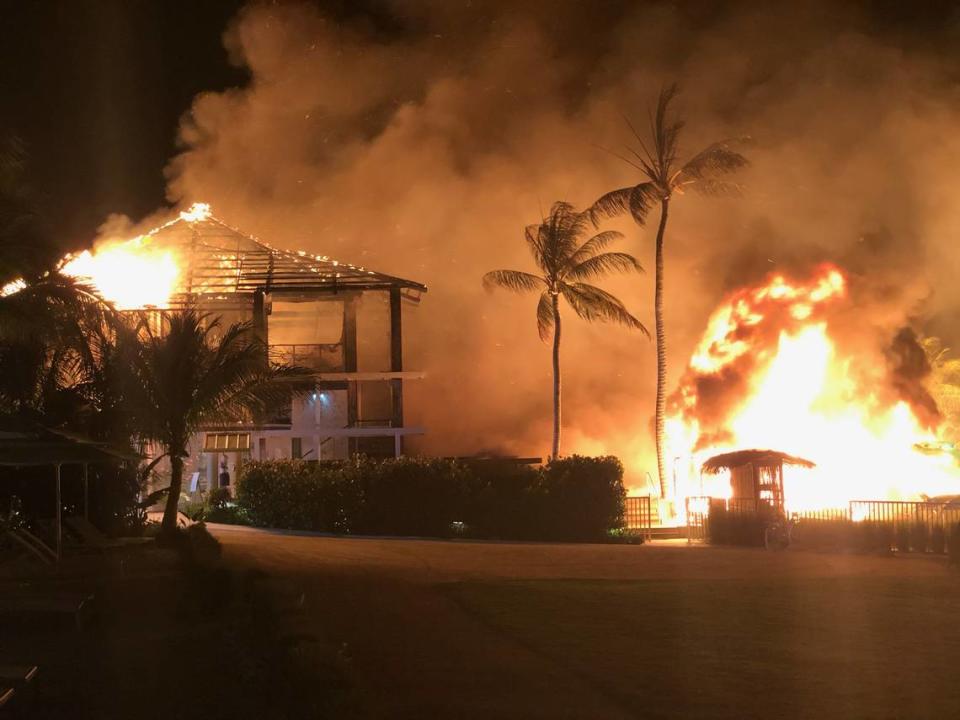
<point x="564" y="228"/>
<point x="545" y="315"/>
<point x="603" y="264"/>
<point x="594" y="245"/>
<point x="636" y="200"/>
<point x="717" y="188"/>
<point x="720" y="158"/>
<point x="666" y="133"/>
<point x="514" y="280"/>
<point x="536" y="240"/>
<point x="591" y="303"/>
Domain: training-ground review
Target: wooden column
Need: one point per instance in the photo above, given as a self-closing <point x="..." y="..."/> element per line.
<point x="396" y="364"/>
<point x="349" y="341"/>
<point x="260" y="316"/>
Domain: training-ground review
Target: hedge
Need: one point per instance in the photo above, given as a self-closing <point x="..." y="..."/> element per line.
<point x="575" y="498"/>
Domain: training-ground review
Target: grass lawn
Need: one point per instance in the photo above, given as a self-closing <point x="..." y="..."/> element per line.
<point x="855" y="647"/>
<point x="171" y="640"/>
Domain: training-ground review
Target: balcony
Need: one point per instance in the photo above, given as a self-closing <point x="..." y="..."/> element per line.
<point x="320" y="358"/>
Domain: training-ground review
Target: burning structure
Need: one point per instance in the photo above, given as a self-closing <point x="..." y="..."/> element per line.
<point x="787" y="364"/>
<point x="756" y="476"/>
<point x="341" y="321"/>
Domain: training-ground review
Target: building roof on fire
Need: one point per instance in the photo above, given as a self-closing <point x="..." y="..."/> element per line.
<point x="758" y="458"/>
<point x="220" y="259"/>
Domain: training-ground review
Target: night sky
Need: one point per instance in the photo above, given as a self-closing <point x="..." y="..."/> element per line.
<point x="96" y="89"/>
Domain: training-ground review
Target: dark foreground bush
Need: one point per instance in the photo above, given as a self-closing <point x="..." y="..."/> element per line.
<point x="583" y="498"/>
<point x="504" y="501"/>
<point x="411" y="496"/>
<point x="575" y="498"/>
<point x="297" y="495"/>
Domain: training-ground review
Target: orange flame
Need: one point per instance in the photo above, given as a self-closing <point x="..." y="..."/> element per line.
<point x="133" y="273"/>
<point x="768" y="375"/>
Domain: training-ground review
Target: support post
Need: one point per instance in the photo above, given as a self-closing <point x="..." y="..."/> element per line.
<point x="260" y="316"/>
<point x="349" y="341"/>
<point x="59" y="518"/>
<point x="396" y="365"/>
<point x="86" y="492"/>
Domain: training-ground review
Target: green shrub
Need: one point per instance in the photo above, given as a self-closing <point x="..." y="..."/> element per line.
<point x="218" y="498"/>
<point x="298" y="495"/>
<point x="583" y="498"/>
<point x="412" y="496"/>
<point x="504" y="501"/>
<point x="228" y="515"/>
<point x="574" y="498"/>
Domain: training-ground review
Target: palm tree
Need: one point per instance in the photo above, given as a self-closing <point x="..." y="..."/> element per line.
<point x="565" y="260"/>
<point x="661" y="177"/>
<point x="196" y="372"/>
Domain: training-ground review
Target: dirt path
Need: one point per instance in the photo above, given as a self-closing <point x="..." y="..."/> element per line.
<point x="416" y="652"/>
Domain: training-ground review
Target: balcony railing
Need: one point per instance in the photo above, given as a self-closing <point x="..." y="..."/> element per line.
<point x="322" y="358"/>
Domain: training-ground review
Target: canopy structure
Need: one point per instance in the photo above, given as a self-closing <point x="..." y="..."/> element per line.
<point x="20" y="448"/>
<point x="757" y="458"/>
<point x="41" y="446"/>
<point x="756" y="476"/>
<point x="219" y="260"/>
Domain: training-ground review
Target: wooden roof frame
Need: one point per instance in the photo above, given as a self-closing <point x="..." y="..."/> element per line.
<point x="220" y="262"/>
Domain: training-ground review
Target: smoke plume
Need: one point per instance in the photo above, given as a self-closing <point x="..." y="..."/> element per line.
<point x="420" y="139"/>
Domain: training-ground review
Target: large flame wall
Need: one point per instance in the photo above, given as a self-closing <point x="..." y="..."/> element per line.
<point x="770" y="374"/>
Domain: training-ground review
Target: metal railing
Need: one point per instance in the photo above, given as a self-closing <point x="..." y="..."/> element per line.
<point x="697" y="511"/>
<point x="901" y="511"/>
<point x="916" y="526"/>
<point x="638" y="514"/>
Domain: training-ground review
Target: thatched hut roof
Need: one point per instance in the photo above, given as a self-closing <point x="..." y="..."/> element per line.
<point x="758" y="458"/>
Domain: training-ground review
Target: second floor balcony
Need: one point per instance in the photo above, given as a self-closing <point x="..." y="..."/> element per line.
<point x="319" y="357"/>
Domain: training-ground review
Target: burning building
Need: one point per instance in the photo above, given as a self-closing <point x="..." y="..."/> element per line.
<point x="341" y="321"/>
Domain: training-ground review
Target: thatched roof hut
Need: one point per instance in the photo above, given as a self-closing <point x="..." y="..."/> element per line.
<point x="756" y="476"/>
<point x="757" y="458"/>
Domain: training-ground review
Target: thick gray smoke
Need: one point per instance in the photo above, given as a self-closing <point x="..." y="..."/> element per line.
<point x="420" y="141"/>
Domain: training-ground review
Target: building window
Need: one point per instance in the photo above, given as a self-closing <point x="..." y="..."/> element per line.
<point x="214" y="442"/>
<point x="296" y="448"/>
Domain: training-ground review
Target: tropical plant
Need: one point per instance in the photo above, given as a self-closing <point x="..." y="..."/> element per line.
<point x="51" y="326"/>
<point x="193" y="372"/>
<point x="566" y="257"/>
<point x="662" y="176"/>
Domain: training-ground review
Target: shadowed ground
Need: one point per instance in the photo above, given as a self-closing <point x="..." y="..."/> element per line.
<point x="457" y="629"/>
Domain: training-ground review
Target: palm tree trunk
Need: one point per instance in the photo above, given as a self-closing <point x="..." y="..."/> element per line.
<point x="556" y="377"/>
<point x="169" y="524"/>
<point x="661" y="348"/>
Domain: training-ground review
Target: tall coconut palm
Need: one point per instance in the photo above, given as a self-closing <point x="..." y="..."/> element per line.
<point x="195" y="372"/>
<point x="663" y="176"/>
<point x="566" y="256"/>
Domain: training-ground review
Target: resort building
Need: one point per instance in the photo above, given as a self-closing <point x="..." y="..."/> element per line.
<point x="343" y="322"/>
